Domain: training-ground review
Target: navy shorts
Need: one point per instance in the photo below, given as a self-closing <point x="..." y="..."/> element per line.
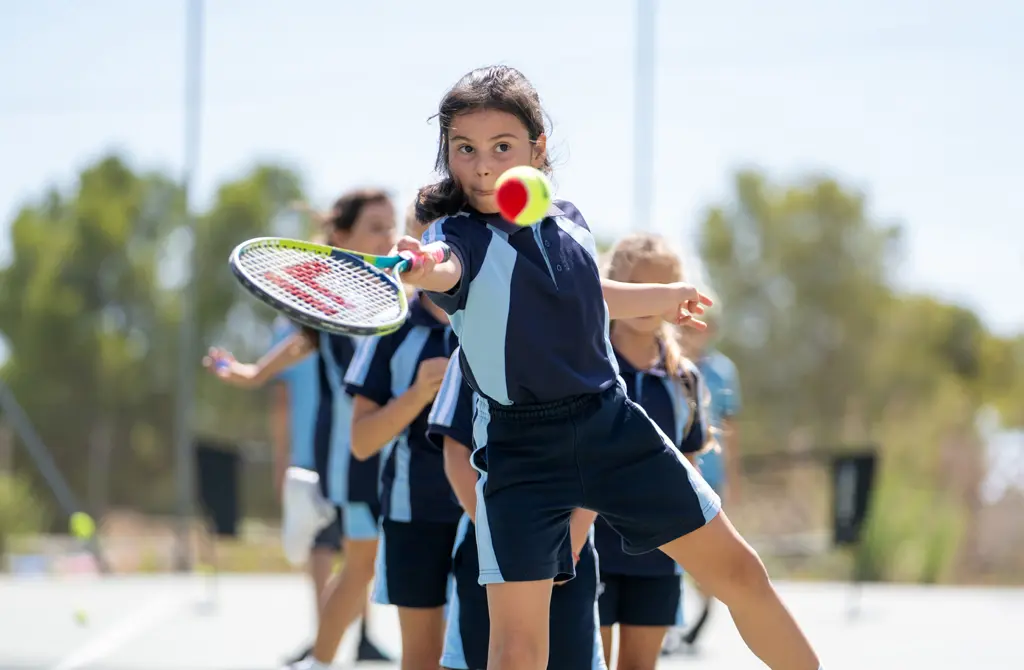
<point x="414" y="563"/>
<point x="600" y="452"/>
<point x="641" y="601"/>
<point x="330" y="535"/>
<point x="575" y="640"/>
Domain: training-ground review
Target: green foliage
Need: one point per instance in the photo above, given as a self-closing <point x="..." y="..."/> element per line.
<point x="829" y="352"/>
<point x="801" y="273"/>
<point x="90" y="308"/>
<point x="20" y="511"/>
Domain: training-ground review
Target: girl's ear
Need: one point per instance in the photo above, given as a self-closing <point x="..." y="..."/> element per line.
<point x="540" y="151"/>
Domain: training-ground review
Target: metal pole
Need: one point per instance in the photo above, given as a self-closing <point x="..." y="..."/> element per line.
<point x="643" y="115"/>
<point x="38" y="452"/>
<point x="183" y="435"/>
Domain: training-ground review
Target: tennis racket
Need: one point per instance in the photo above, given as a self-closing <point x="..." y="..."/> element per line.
<point x="328" y="289"/>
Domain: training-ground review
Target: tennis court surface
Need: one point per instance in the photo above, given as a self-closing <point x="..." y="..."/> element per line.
<point x="252" y="622"/>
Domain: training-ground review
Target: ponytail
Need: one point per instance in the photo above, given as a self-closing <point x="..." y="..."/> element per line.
<point x="440" y="199"/>
<point x="675" y="368"/>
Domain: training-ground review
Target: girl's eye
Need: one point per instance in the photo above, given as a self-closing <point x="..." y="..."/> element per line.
<point x="465" y="149"/>
<point x="503" y="147"/>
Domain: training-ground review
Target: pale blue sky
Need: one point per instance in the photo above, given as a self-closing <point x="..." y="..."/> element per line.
<point x="918" y="102"/>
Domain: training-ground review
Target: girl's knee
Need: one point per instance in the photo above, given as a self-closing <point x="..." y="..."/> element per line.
<point x="517" y="652"/>
<point x="741" y="575"/>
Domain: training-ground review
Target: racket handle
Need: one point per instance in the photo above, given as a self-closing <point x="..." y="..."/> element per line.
<point x="439" y="251"/>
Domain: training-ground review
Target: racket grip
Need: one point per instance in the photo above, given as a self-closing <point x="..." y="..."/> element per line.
<point x="439" y="251"/>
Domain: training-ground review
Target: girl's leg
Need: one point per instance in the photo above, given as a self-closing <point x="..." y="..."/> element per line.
<point x="348" y="598"/>
<point x="727" y="568"/>
<point x="607" y="638"/>
<point x="422" y="637"/>
<point x="520" y="614"/>
<point x="640" y="646"/>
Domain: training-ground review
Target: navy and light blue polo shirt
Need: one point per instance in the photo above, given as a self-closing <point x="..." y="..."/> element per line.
<point x="529" y="310"/>
<point x="303" y="384"/>
<point x="333" y="455"/>
<point x="413" y="483"/>
<point x="677" y="406"/>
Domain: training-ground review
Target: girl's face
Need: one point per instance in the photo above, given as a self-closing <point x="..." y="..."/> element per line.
<point x="373" y="231"/>
<point x="482" y="145"/>
<point x="649" y="273"/>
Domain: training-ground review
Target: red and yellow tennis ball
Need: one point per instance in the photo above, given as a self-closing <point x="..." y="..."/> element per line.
<point x="523" y="195"/>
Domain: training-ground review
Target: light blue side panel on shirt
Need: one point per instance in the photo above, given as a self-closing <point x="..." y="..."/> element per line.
<point x="482" y="335"/>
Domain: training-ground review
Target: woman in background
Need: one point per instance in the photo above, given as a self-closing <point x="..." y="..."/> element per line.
<point x="362" y="220"/>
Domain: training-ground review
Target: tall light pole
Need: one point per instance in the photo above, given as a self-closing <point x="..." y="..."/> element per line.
<point x="643" y="116"/>
<point x="188" y="356"/>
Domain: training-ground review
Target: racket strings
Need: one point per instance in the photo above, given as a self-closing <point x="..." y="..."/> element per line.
<point x="328" y="287"/>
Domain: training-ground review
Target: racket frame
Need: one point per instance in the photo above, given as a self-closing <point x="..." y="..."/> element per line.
<point x="376" y="264"/>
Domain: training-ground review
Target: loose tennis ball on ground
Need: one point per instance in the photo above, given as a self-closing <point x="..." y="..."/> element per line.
<point x="82" y="526"/>
<point x="81" y="618"/>
<point x="523" y="194"/>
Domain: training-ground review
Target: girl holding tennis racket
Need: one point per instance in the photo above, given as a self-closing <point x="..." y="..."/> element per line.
<point x="573" y="627"/>
<point x="642" y="594"/>
<point x="361" y="220"/>
<point x="532" y="316"/>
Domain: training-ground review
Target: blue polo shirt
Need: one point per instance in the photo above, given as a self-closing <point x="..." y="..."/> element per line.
<point x="413" y="483"/>
<point x="303" y="384"/>
<point x="529" y="310"/>
<point x="343" y="479"/>
<point x="723" y="382"/>
<point x="676" y="407"/>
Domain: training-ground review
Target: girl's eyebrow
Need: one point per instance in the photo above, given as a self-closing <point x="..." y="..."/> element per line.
<point x="499" y="136"/>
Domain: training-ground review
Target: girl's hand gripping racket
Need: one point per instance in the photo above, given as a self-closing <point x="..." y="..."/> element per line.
<point x="329" y="289"/>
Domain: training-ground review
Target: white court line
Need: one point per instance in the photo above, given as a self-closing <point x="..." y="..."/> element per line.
<point x="120" y="633"/>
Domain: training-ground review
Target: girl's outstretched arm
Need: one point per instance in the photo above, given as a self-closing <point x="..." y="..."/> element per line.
<point x="677" y="302"/>
<point x="251" y="376"/>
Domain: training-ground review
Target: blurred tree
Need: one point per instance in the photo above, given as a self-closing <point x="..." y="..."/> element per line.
<point x="89" y="307"/>
<point x="829" y="352"/>
<point x="802" y="274"/>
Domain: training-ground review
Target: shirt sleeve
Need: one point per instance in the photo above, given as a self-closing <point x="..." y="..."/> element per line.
<point x="452" y="413"/>
<point x="697" y="436"/>
<point x="731" y="389"/>
<point x="468" y="243"/>
<point x="369" y="373"/>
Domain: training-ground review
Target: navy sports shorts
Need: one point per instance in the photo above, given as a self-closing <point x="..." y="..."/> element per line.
<point x="414" y="563"/>
<point x="600" y="452"/>
<point x="633" y="600"/>
<point x="575" y="640"/>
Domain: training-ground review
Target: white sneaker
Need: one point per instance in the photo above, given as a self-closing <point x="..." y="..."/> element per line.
<point x="305" y="512"/>
<point x="308" y="663"/>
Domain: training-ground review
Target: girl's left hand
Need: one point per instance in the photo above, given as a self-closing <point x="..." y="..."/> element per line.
<point x="688" y="303"/>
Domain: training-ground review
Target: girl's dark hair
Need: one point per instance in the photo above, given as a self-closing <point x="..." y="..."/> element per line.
<point x="497" y="87"/>
<point x="348" y="207"/>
